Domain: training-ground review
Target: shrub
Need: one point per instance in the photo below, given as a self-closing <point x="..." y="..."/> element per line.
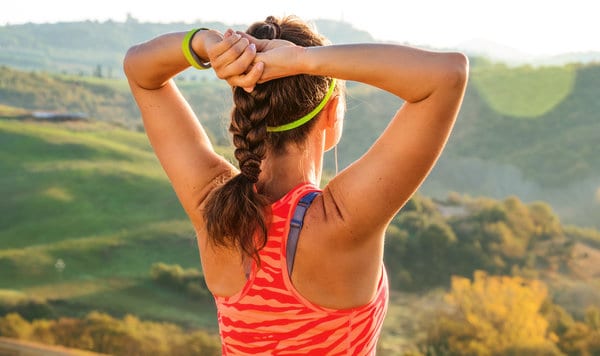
<point x="189" y="281"/>
<point x="29" y="307"/>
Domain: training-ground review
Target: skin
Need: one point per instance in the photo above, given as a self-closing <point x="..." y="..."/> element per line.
<point x="339" y="257"/>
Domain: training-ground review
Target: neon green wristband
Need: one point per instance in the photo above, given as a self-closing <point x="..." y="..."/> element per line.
<point x="186" y="46"/>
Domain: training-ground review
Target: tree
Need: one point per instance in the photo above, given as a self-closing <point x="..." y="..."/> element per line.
<point x="493" y="315"/>
<point x="98" y="71"/>
<point x="14" y="326"/>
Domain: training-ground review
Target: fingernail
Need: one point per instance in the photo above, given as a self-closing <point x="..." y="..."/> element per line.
<point x="252" y="47"/>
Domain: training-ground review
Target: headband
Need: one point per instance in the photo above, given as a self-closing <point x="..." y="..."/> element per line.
<point x="306" y="118"/>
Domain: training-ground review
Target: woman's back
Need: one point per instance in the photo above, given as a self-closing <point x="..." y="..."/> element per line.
<point x="270" y="315"/>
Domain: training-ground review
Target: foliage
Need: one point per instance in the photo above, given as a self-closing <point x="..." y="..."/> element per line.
<point x="101" y="100"/>
<point x="575" y="337"/>
<point x="103" y="333"/>
<point x="502" y="315"/>
<point x="27" y="306"/>
<point x="459" y="237"/>
<point x="190" y="280"/>
<point x="493" y="316"/>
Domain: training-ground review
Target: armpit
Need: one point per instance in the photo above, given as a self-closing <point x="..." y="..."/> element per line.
<point x="333" y="210"/>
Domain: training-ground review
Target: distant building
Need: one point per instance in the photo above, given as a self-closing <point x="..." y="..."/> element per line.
<point x="58" y="116"/>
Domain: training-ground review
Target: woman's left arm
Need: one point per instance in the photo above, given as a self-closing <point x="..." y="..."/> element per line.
<point x="177" y="137"/>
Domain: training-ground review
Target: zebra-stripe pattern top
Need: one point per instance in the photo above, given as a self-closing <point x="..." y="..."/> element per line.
<point x="268" y="316"/>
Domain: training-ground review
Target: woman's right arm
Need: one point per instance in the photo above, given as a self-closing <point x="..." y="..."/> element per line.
<point x="367" y="194"/>
<point x="177" y="136"/>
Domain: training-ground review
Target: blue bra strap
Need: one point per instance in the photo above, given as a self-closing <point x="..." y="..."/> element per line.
<point x="295" y="227"/>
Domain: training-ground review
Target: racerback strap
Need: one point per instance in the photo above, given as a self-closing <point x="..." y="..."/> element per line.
<point x="296" y="226"/>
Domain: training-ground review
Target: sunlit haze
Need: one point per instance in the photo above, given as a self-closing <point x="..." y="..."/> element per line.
<point x="530" y="27"/>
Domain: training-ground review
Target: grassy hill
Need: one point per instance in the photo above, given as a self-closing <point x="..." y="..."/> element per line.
<point x="93" y="196"/>
<point x="521" y="131"/>
<point x="529" y="132"/>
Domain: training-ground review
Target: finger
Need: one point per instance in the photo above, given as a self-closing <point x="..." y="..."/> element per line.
<point x="223" y="46"/>
<point x="260" y="44"/>
<point x="233" y="54"/>
<point x="228" y="67"/>
<point x="248" y="80"/>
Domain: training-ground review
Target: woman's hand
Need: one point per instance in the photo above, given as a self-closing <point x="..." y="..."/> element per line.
<point x="278" y="57"/>
<point x="232" y="59"/>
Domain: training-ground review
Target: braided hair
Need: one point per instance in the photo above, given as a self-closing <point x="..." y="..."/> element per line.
<point x="236" y="214"/>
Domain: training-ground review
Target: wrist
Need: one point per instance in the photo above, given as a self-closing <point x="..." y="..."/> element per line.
<point x="304" y="61"/>
<point x="194" y="45"/>
<point x="202" y="40"/>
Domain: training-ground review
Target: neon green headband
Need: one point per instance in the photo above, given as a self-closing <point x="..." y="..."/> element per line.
<point x="306" y="118"/>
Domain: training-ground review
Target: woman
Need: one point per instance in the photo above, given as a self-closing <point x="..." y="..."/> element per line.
<point x="315" y="285"/>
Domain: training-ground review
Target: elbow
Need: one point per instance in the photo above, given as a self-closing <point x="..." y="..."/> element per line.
<point x="457" y="72"/>
<point x="128" y="62"/>
<point x="131" y="68"/>
<point x="450" y="75"/>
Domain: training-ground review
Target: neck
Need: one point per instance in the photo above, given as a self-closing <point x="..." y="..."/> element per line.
<point x="282" y="172"/>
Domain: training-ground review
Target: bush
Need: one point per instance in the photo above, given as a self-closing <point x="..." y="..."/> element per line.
<point x="101" y="332"/>
<point x="28" y="307"/>
<point x="14" y="326"/>
<point x="493" y="315"/>
<point x="189" y="281"/>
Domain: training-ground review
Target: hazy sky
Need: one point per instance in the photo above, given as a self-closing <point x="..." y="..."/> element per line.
<point x="534" y="27"/>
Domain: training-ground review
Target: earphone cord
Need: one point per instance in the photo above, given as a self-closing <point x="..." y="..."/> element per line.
<point x="335" y="155"/>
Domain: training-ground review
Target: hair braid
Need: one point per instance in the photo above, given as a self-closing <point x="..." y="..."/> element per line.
<point x="249" y="129"/>
<point x="236" y="214"/>
<point x="238" y="201"/>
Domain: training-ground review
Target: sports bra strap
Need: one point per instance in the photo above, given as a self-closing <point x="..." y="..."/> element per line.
<point x="295" y="227"/>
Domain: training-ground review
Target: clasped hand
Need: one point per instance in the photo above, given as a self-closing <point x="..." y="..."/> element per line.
<point x="243" y="60"/>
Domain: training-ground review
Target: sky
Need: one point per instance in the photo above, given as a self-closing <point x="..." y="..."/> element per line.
<point x="531" y="27"/>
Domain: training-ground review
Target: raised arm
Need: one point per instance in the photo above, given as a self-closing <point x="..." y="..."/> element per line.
<point x="366" y="195"/>
<point x="178" y="139"/>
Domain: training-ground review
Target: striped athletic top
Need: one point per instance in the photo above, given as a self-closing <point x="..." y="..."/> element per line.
<point x="268" y="316"/>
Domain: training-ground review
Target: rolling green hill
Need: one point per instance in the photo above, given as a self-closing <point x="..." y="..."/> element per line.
<point x="522" y="131"/>
<point x="531" y="132"/>
<point x="94" y="197"/>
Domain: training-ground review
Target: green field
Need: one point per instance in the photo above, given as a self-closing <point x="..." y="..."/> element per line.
<point x="93" y="196"/>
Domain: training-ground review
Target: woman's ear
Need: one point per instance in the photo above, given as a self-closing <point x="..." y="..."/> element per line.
<point x="335" y="111"/>
<point x="333" y="121"/>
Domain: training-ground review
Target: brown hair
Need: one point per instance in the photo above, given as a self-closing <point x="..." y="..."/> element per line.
<point x="236" y="213"/>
